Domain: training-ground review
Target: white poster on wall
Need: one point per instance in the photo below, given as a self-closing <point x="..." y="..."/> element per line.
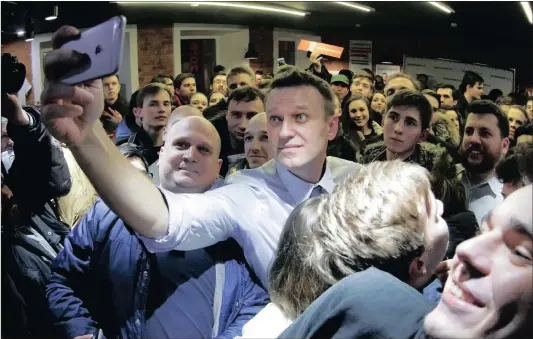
<point x="452" y="72"/>
<point x="360" y="55"/>
<point x="385" y="70"/>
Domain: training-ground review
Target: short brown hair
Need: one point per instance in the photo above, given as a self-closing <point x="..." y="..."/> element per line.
<point x="151" y="89"/>
<point x="293" y="77"/>
<point x="415" y="82"/>
<point x="241" y="70"/>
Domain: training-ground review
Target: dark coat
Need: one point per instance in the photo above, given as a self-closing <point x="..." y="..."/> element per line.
<point x="39" y="173"/>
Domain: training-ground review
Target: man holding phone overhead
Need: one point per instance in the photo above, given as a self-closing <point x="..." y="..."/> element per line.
<point x="253" y="206"/>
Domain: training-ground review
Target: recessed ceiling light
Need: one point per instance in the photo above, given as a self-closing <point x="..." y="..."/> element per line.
<point x="20" y="32"/>
<point x="443" y="7"/>
<point x="387" y="62"/>
<point x="453" y="24"/>
<point x="356" y="6"/>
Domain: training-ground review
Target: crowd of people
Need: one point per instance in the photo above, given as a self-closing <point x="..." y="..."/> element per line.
<point x="300" y="204"/>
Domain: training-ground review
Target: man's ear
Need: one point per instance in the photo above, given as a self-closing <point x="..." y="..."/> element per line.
<point x="505" y="146"/>
<point x="219" y="164"/>
<point x="333" y="126"/>
<point x="138" y="112"/>
<point x="417" y="269"/>
<point x="424" y="135"/>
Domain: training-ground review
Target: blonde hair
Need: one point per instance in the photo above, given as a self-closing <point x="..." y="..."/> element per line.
<point x="376" y="217"/>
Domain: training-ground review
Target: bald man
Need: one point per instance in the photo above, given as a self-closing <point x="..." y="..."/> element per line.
<point x="178" y="114"/>
<point x="257" y="149"/>
<point x="203" y="293"/>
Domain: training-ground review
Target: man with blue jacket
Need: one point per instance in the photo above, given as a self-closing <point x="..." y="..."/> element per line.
<point x="106" y="284"/>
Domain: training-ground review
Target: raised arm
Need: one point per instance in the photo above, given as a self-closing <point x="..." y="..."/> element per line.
<point x="71" y="114"/>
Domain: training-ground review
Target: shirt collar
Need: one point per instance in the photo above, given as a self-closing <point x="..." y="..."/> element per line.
<point x="299" y="189"/>
<point x="494" y="184"/>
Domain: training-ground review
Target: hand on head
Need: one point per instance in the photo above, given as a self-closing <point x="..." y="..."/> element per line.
<point x="69" y="112"/>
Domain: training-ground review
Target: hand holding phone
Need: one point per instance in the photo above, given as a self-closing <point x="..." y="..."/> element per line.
<point x="99" y="50"/>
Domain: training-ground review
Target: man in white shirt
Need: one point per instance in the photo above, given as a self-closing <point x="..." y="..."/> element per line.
<point x="255" y="204"/>
<point x="485" y="141"/>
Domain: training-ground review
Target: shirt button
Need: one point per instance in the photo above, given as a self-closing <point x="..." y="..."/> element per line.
<point x="137" y="322"/>
<point x="49" y="233"/>
<point x="236" y="304"/>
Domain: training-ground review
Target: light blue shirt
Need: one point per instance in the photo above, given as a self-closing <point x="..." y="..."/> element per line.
<point x="251" y="208"/>
<point x="483" y="197"/>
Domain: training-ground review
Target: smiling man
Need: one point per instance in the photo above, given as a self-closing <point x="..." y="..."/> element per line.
<point x="254" y="205"/>
<point x="485" y="141"/>
<point x="488" y="293"/>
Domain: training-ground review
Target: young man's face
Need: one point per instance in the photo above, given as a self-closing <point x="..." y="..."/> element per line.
<point x="220" y="84"/>
<point x="215" y="98"/>
<point x="199" y="101"/>
<point x="483" y="144"/>
<point x="239" y="115"/>
<point x="516" y="119"/>
<point x="258" y="79"/>
<point x="488" y="293"/>
<point x="156" y="109"/>
<point x="475" y="91"/>
<point x="363" y="86"/>
<point x="189" y="160"/>
<point x="529" y="109"/>
<point x="298" y="127"/>
<point x="187" y="88"/>
<point x="446" y="96"/>
<point x="340" y="89"/>
<point x="402" y="129"/>
<point x="111" y="88"/>
<point x="256" y="146"/>
<point x="397" y="84"/>
<point x="239" y="81"/>
<point x="359" y="113"/>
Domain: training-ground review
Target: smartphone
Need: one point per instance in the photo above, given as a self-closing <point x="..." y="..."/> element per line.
<point x="102" y="46"/>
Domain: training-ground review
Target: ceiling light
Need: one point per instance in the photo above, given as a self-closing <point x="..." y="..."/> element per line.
<point x="387" y="62"/>
<point x="356" y="6"/>
<point x="20" y="33"/>
<point x="221" y="4"/>
<point x="527" y="10"/>
<point x="443" y="7"/>
<point x="53" y="15"/>
<point x="453" y="24"/>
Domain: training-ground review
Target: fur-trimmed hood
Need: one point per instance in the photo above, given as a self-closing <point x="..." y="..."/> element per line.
<point x="378" y="130"/>
<point x="444" y="129"/>
<point x="434" y="158"/>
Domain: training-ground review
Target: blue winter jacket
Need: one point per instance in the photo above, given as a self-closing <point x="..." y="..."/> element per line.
<point x="100" y="282"/>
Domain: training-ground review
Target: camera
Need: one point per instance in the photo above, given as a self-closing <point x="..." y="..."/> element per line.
<point x="13" y="74"/>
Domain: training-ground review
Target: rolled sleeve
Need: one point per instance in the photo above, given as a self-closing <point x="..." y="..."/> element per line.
<point x="201" y="220"/>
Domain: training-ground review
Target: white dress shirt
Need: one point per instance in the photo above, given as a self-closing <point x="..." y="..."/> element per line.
<point x="251" y="208"/>
<point x="483" y="197"/>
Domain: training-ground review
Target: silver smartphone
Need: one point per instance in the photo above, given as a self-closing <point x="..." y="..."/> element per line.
<point x="102" y="46"/>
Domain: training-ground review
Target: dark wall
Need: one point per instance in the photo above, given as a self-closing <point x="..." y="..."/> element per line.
<point x="496" y="48"/>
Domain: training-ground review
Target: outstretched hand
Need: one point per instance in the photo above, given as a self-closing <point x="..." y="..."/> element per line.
<point x="69" y="112"/>
<point x="316" y="61"/>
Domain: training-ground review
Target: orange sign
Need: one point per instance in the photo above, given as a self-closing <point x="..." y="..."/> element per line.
<point x="321" y="48"/>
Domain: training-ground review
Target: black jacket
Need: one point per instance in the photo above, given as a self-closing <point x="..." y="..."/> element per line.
<point x="371" y="304"/>
<point x="143" y="140"/>
<point x="39" y="174"/>
<point x="214" y="111"/>
<point x="221" y="125"/>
